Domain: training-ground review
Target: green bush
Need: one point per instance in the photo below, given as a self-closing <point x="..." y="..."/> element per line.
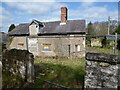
<point x="88" y="42"/>
<point x="108" y="42"/>
<point x="118" y="44"/>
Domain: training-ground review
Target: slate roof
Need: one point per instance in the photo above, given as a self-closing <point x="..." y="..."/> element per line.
<point x="72" y="26"/>
<point x="36" y="22"/>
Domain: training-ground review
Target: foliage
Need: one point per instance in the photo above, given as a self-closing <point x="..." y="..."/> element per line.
<point x="118" y="41"/>
<point x="11" y="27"/>
<point x="90" y="29"/>
<point x="117" y="30"/>
<point x="106" y="43"/>
<point x="118" y="44"/>
<point x="97" y="28"/>
<point x="101" y="28"/>
<point x="90" y="32"/>
<point x="88" y="42"/>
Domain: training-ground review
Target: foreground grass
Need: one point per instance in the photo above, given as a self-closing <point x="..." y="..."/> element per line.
<point x="11" y="81"/>
<point x="67" y="72"/>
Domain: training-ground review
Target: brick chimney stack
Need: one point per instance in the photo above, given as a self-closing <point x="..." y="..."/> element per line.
<point x="63" y="15"/>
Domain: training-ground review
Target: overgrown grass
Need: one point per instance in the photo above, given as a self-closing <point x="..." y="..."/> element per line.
<point x="67" y="72"/>
<point x="102" y="50"/>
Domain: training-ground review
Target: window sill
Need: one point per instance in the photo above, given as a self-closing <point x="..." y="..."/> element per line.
<point x="46" y="51"/>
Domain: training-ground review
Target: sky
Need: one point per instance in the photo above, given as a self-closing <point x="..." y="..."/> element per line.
<point x="24" y="12"/>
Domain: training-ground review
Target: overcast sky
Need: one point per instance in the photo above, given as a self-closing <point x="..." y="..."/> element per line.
<point x="24" y="12"/>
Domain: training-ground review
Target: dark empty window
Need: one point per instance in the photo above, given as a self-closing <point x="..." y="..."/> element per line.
<point x="21" y="44"/>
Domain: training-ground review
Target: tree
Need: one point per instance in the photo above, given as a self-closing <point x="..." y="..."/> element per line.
<point x="118" y="41"/>
<point x="90" y="32"/>
<point x="113" y="26"/>
<point x="90" y="29"/>
<point x="117" y="30"/>
<point x="12" y="26"/>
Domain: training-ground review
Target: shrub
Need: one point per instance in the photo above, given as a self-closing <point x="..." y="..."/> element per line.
<point x="118" y="44"/>
<point x="107" y="43"/>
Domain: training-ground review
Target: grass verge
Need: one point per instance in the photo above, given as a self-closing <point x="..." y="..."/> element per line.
<point x="101" y="50"/>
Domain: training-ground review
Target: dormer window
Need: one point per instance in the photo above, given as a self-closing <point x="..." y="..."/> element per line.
<point x="41" y="26"/>
<point x="34" y="27"/>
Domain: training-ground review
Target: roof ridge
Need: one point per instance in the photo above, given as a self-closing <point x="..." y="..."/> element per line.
<point x="54" y="21"/>
<point x="23" y="23"/>
<point x="67" y="20"/>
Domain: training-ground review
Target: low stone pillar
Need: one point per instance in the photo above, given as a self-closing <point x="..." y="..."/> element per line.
<point x="0" y="74"/>
<point x="30" y="68"/>
<point x="102" y="71"/>
<point x="118" y="76"/>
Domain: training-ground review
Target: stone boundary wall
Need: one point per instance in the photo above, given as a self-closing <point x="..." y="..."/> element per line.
<point x="19" y="62"/>
<point x="102" y="71"/>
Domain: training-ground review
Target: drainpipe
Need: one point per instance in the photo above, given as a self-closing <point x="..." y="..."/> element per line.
<point x="27" y="43"/>
<point x="69" y="50"/>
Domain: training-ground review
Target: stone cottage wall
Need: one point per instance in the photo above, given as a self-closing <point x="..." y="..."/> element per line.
<point x="59" y="46"/>
<point x="102" y="71"/>
<point x="19" y="62"/>
<point x="18" y="43"/>
<point x="96" y="42"/>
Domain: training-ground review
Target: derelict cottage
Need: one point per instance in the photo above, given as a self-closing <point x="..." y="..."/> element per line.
<point x="46" y="38"/>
